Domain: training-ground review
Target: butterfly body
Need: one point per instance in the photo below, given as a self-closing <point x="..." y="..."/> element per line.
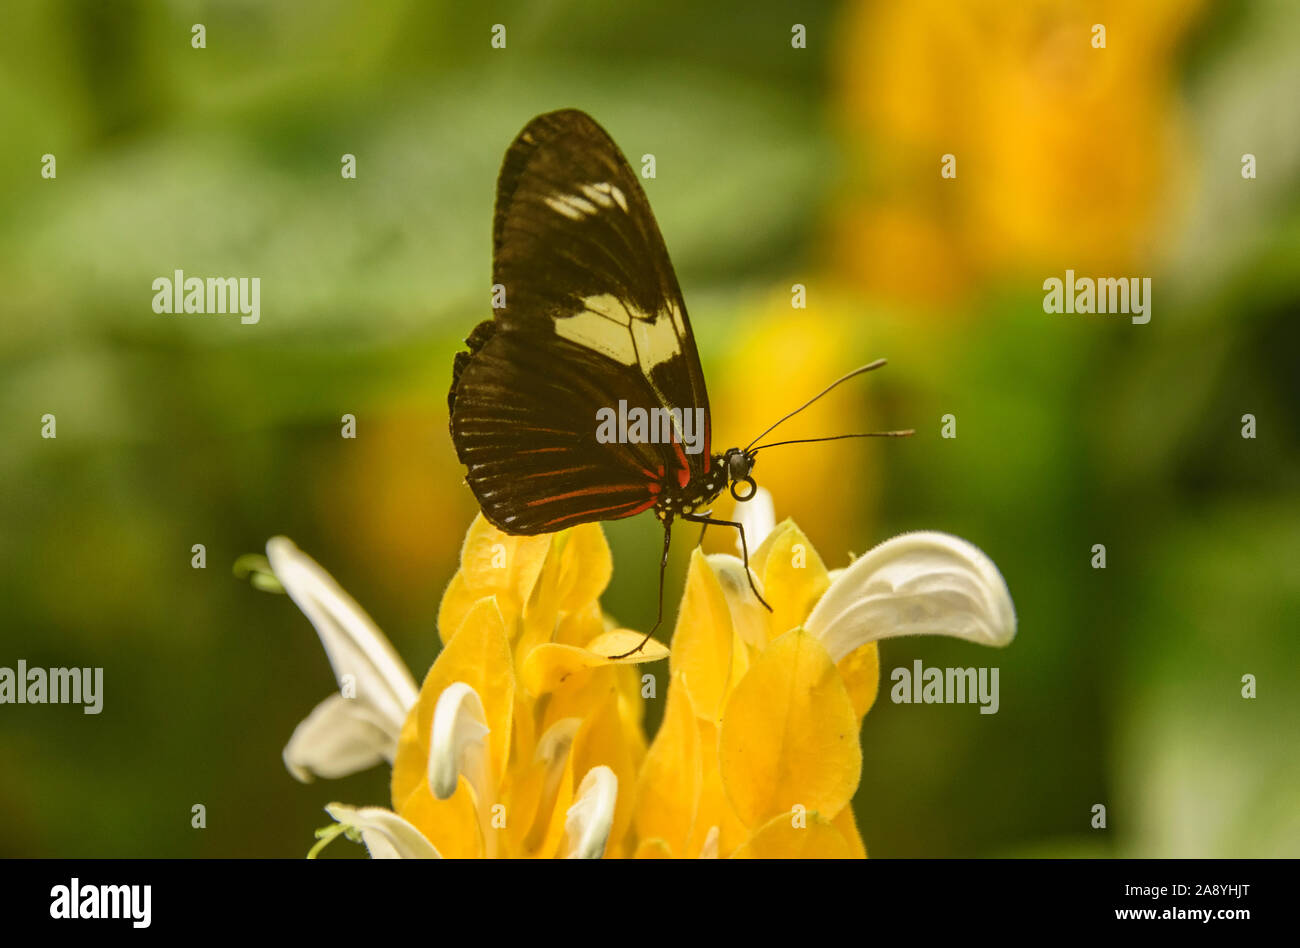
<point x="696" y="493"/>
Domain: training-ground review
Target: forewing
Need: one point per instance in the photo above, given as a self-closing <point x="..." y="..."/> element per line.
<point x="578" y="251"/>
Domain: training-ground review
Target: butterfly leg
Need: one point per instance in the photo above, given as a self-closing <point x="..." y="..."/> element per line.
<point x="663" y="564"/>
<point x="744" y="547"/>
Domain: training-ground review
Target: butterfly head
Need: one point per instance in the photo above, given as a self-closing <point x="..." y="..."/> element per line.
<point x="739" y="463"/>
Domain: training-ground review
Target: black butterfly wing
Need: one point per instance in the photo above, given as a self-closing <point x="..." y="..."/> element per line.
<point x="593" y="317"/>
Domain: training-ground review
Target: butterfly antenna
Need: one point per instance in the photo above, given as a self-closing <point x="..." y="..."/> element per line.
<point x="865" y="434"/>
<point x="843" y="378"/>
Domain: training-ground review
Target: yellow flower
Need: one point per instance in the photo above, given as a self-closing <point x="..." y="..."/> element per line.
<point x="758" y="753"/>
<point x="524" y="739"/>
<point x="1066" y="153"/>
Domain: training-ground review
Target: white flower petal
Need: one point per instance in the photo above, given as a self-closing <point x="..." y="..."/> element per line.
<point x="386" y="835"/>
<point x="747" y="613"/>
<point x="922" y="583"/>
<point x="553" y="752"/>
<point x="459" y="741"/>
<point x="758" y="516"/>
<point x="353" y="643"/>
<point x="555" y="742"/>
<point x="340" y="737"/>
<point x="589" y="819"/>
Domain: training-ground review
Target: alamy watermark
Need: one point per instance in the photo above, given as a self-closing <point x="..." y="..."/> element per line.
<point x="179" y="294"/>
<point x="84" y="686"/>
<point x="920" y="685"/>
<point x="651" y="426"/>
<point x="134" y="902"/>
<point x="1105" y="295"/>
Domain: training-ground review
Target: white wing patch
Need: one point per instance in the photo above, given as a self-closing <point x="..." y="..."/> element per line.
<point x="568" y="206"/>
<point x="656" y="341"/>
<point x="611" y="307"/>
<point x="596" y="194"/>
<point x="608" y="326"/>
<point x="576" y="207"/>
<point x="603" y="335"/>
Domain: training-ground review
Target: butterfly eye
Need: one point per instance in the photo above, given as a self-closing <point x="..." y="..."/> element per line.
<point x="752" y="489"/>
<point x="738" y="466"/>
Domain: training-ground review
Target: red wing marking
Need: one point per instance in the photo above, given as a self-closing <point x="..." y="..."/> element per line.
<point x="562" y="470"/>
<point x="684" y="474"/>
<point x="586" y="492"/>
<point x="559" y="431"/>
<point x="630" y="509"/>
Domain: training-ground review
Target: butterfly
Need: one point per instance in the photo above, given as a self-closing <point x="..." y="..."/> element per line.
<point x="582" y="398"/>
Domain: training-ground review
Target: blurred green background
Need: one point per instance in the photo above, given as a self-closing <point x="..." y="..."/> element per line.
<point x="775" y="166"/>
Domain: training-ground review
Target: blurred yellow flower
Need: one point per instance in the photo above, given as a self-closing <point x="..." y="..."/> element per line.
<point x="387" y="528"/>
<point x="758" y="753"/>
<point x="794" y="364"/>
<point x="1064" y="151"/>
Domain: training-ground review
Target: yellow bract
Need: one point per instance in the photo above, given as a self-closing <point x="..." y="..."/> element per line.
<point x="758" y="751"/>
<point x="671" y="776"/>
<point x="522" y="626"/>
<point x="551" y="665"/>
<point x="492" y="563"/>
<point x="793" y="574"/>
<point x="860" y="670"/>
<point x="790" y="736"/>
<point x="708" y="655"/>
<point x="784" y="838"/>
